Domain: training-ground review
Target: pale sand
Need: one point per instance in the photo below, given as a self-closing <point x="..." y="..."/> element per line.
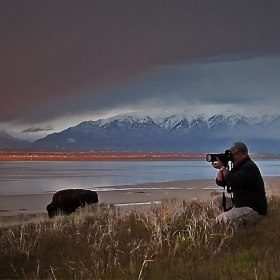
<point x="24" y="206"/>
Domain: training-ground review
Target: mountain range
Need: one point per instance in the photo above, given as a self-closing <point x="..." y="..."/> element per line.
<point x="9" y="142"/>
<point x="178" y="133"/>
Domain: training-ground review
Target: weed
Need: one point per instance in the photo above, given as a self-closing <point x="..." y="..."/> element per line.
<point x="173" y="240"/>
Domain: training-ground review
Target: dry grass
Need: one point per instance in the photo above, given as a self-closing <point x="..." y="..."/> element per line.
<point x="170" y="241"/>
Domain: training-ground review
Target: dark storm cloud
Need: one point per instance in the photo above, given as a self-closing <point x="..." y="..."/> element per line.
<point x="250" y="81"/>
<point x="241" y="81"/>
<point x="37" y="129"/>
<point x="66" y="57"/>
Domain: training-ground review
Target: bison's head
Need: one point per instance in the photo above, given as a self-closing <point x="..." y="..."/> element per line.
<point x="89" y="197"/>
<point x="50" y="211"/>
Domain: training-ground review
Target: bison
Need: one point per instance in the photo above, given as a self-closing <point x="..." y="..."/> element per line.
<point x="68" y="200"/>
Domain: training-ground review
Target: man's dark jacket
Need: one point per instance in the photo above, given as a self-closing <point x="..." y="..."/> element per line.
<point x="247" y="185"/>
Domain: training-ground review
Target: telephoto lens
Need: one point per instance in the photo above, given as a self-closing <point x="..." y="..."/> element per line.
<point x="212" y="157"/>
<point x="223" y="157"/>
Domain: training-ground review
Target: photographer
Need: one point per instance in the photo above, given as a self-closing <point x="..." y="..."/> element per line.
<point x="245" y="181"/>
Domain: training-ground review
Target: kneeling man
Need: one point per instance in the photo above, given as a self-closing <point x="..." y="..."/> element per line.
<point x="248" y="202"/>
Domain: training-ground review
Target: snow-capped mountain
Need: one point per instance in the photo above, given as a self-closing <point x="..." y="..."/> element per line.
<point x="178" y="132"/>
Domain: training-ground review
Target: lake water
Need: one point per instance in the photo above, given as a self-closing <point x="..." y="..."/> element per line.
<point x="25" y="177"/>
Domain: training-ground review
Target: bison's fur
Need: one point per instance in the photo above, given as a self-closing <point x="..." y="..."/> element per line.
<point x="68" y="200"/>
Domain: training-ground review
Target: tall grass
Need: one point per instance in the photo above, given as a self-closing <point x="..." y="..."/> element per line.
<point x="170" y="241"/>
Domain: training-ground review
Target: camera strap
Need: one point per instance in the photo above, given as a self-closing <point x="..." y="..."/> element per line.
<point x="224" y="202"/>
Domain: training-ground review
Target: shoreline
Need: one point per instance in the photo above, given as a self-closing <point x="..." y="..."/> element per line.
<point x="125" y="196"/>
<point x="121" y="194"/>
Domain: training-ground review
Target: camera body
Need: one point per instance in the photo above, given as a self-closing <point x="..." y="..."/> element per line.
<point x="223" y="157"/>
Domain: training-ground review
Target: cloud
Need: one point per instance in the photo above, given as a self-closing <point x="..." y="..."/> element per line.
<point x="63" y="58"/>
<point x="36" y="129"/>
<point x="236" y="82"/>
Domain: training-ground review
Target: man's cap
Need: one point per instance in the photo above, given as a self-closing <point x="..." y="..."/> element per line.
<point x="239" y="146"/>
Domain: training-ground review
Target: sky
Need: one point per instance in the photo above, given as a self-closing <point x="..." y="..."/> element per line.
<point x="64" y="62"/>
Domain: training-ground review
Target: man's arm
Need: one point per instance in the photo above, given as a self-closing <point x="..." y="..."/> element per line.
<point x="220" y="179"/>
<point x="223" y="171"/>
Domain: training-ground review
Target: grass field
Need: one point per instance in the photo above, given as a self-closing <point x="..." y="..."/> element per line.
<point x="171" y="241"/>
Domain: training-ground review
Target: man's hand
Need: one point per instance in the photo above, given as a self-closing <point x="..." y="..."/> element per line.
<point x="218" y="164"/>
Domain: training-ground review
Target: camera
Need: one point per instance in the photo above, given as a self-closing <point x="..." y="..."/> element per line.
<point x="223" y="157"/>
